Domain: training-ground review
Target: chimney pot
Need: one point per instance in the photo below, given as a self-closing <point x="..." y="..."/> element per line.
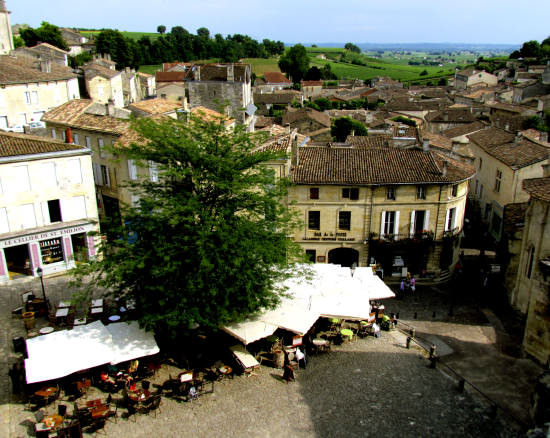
<point x="295" y="160"/>
<point x="426" y="144"/>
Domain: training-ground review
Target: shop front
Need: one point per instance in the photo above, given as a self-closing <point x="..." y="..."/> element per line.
<point x="54" y="248"/>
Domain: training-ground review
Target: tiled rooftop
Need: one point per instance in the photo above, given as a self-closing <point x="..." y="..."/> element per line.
<point x="12" y="145"/>
<point x="22" y="70"/>
<point x="276" y="78"/>
<point x="464" y="129"/>
<point x="538" y="188"/>
<point x="366" y="166"/>
<point x="156" y="106"/>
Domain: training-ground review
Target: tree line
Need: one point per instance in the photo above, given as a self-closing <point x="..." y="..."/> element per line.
<point x="533" y="49"/>
<point x="176" y="45"/>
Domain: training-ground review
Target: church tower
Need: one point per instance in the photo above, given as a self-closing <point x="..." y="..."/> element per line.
<point x="6" y="38"/>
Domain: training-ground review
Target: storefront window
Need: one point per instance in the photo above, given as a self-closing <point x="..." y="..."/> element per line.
<point x="52" y="251"/>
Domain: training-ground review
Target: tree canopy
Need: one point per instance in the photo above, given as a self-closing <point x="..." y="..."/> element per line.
<point x="295" y="62"/>
<point x="533" y="49"/>
<point x="161" y="28"/>
<point x="352" y="48"/>
<point x="46" y="33"/>
<point x="208" y="238"/>
<point x="343" y="126"/>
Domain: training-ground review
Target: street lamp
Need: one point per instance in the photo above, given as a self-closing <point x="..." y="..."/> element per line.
<point x="40" y="273"/>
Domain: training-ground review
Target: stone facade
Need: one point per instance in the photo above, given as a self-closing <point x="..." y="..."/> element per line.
<point x="6" y="37"/>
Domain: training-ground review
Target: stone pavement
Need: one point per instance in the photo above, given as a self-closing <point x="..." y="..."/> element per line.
<point x="474" y="343"/>
<point x="371" y="387"/>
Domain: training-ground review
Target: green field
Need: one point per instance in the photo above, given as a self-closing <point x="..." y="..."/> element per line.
<point x="150" y="69"/>
<point x="132" y="35"/>
<point x="261" y="65"/>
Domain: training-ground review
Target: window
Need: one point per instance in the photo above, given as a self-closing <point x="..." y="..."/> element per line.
<point x="75" y="138"/>
<point x="27" y="97"/>
<point x="496" y="223"/>
<point x="420" y="192"/>
<point x="34" y="97"/>
<point x="153" y="172"/>
<point x="132" y="170"/>
<point x="390" y="193"/>
<point x="314" y="193"/>
<point x="311" y="254"/>
<point x="21" y="175"/>
<point x="4" y="225"/>
<point x="480" y="163"/>
<point x="454" y="190"/>
<point x="488" y="209"/>
<point x="481" y="191"/>
<point x="54" y="134"/>
<point x="420" y="222"/>
<point x="344" y="220"/>
<point x="63" y="136"/>
<point x="498" y="178"/>
<point x="97" y="174"/>
<point x="88" y="142"/>
<point x="51" y="250"/>
<point x="74" y="208"/>
<point x="314" y="220"/>
<point x="74" y="172"/>
<point x="450" y="221"/>
<point x="27" y="216"/>
<point x="49" y="177"/>
<point x="105" y="176"/>
<point x="350" y="193"/>
<point x="389" y="219"/>
<point x="54" y="211"/>
<point x="100" y="144"/>
<point x="530" y="260"/>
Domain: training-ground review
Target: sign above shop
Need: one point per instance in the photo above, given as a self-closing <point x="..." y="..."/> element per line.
<point x="45" y="235"/>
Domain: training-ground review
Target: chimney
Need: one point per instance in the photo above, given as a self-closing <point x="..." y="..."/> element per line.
<point x="110" y="108"/>
<point x="197" y="72"/>
<point x="445" y="166"/>
<point x="288" y="128"/>
<point x="231" y="73"/>
<point x="426" y="145"/>
<point x="68" y="136"/>
<point x="295" y="159"/>
<point x="45" y="66"/>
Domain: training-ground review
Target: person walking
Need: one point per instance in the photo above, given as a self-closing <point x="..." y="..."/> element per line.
<point x="402" y="288"/>
<point x="413" y="284"/>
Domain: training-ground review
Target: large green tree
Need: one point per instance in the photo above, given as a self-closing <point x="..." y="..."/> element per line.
<point x="208" y="239"/>
<point x="344" y="126"/>
<point x="295" y="62"/>
<point x="46" y="33"/>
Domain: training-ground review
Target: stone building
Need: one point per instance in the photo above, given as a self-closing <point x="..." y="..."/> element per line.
<point x="6" y="37"/>
<point x="400" y="208"/>
<point x="533" y="280"/>
<point x="30" y="87"/>
<point x="503" y="161"/>
<point x="313" y="123"/>
<point x="472" y="77"/>
<point x="47" y="205"/>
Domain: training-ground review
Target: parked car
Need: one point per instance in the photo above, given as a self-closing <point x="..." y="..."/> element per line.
<point x="37" y="125"/>
<point x="16" y="128"/>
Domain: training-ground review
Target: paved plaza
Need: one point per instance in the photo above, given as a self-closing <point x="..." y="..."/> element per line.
<point x="370" y="387"/>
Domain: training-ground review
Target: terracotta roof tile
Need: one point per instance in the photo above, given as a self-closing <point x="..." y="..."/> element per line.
<point x="267" y="98"/>
<point x="23" y="69"/>
<point x="538" y="188"/>
<point x="155" y="106"/>
<point x="464" y="129"/>
<point x="329" y="165"/>
<point x="454" y="115"/>
<point x="170" y="76"/>
<point x="307" y="113"/>
<point x="311" y="83"/>
<point x="515" y="153"/>
<point x="12" y="144"/>
<point x="372" y="141"/>
<point x="276" y="78"/>
<point x="514" y="216"/>
<point x="94" y="69"/>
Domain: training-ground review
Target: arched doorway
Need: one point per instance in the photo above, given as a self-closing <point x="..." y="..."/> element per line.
<point x="343" y="256"/>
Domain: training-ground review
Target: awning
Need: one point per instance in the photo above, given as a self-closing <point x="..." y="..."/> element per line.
<point x="61" y="353"/>
<point x="130" y="342"/>
<point x="375" y="287"/>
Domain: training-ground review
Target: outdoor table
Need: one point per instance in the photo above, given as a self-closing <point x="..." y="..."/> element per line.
<point x="186" y="376"/>
<point x="62" y="313"/>
<point x="96" y="310"/>
<point x="63" y="304"/>
<point x="347" y="333"/>
<point x="114" y="318"/>
<point x="49" y="422"/>
<point x="139" y="395"/>
<point x="99" y="411"/>
<point x="93" y="403"/>
<point x="46" y="392"/>
<point x="45" y="330"/>
<point x="318" y="342"/>
<point x="79" y="321"/>
<point x="97" y="302"/>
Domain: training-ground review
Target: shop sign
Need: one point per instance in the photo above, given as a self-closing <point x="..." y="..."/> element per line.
<point x="41" y="236"/>
<point x="329" y="236"/>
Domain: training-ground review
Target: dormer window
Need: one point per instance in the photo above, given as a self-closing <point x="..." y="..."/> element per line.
<point x="314" y="193"/>
<point x="390" y="193"/>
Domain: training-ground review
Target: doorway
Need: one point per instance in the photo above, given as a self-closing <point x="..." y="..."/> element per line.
<point x="18" y="261"/>
<point x="343" y="256"/>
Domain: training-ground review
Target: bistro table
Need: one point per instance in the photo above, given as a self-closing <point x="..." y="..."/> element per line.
<point x="49" y="422"/>
<point x="63" y="304"/>
<point x="47" y="393"/>
<point x="97" y="302"/>
<point x="79" y="321"/>
<point x="347" y="333"/>
<point x="99" y="411"/>
<point x="62" y="313"/>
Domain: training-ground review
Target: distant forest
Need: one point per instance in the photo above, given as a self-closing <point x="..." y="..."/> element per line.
<point x="180" y="45"/>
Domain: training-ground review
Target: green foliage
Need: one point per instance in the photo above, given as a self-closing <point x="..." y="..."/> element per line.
<point x="404" y="120"/>
<point x="295" y="104"/>
<point x="423" y="73"/>
<point x="343" y="126"/>
<point x="295" y="62"/>
<point x="207" y="242"/>
<point x="326" y="72"/>
<point x="352" y="48"/>
<point x="80" y="59"/>
<point x="46" y="33"/>
<point x="442" y="82"/>
<point x="161" y="29"/>
<point x="539" y="123"/>
<point x="18" y="42"/>
<point x="323" y="103"/>
<point x="313" y="74"/>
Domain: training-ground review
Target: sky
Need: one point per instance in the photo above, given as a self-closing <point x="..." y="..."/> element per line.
<point x="307" y="21"/>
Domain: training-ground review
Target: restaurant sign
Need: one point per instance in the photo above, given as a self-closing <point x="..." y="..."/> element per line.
<point x="341" y="237"/>
<point x="45" y="235"/>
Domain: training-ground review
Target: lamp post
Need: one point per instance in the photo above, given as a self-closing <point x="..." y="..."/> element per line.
<point x="40" y="273"/>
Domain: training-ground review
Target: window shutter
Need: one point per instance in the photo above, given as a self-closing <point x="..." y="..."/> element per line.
<point x="107" y="177"/>
<point x="396" y="225"/>
<point x="382" y="220"/>
<point x="427" y="220"/>
<point x="132" y="171"/>
<point x="413" y="216"/>
<point x="45" y="212"/>
<point x="447" y="220"/>
<point x="453" y="225"/>
<point x="97" y="174"/>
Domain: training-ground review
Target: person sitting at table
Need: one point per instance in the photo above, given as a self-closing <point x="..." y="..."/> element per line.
<point x="301" y="357"/>
<point x="132" y="368"/>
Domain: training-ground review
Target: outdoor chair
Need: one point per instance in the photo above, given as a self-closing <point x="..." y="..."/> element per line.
<point x="153" y="404"/>
<point x="62" y="410"/>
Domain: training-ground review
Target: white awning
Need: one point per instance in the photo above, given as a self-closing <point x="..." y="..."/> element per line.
<point x="130" y="342"/>
<point x="61" y="353"/>
<point x="376" y="288"/>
